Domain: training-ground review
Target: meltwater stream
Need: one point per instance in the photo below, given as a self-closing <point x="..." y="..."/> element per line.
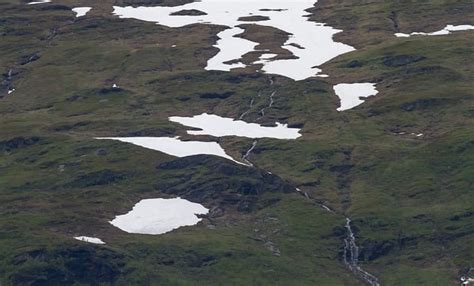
<point x="351" y="257"/>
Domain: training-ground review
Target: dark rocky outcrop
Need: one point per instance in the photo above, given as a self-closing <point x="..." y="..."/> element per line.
<point x="103" y="177"/>
<point x="354" y="64"/>
<point x="343" y="169"/>
<point x="136" y="3"/>
<point x="422" y="103"/>
<point x="254" y="18"/>
<point x="216" y="95"/>
<point x="54" y="7"/>
<point x="189" y="12"/>
<point x="108" y="90"/>
<point x="68" y="127"/>
<point x="402" y="60"/>
<point x="371" y="249"/>
<point x="24" y="60"/>
<point x="19" y="142"/>
<point x="219" y="183"/>
<point x="82" y="264"/>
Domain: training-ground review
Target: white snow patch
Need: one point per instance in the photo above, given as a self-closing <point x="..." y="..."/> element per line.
<point x="89" y="239"/>
<point x="315" y="44"/>
<point x="81" y="11"/>
<point x="445" y="31"/>
<point x="175" y="147"/>
<point x="10" y="91"/>
<point x="350" y="94"/>
<point x="158" y="216"/>
<point x="218" y="126"/>
<point x="231" y="48"/>
<point x="115" y="86"/>
<point x="39" y="2"/>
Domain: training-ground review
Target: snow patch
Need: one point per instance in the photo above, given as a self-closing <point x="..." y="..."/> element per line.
<point x="93" y="240"/>
<point x="218" y="126"/>
<point x="158" y="216"/>
<point x="350" y="94"/>
<point x="445" y="31"/>
<point x="81" y="11"/>
<point x="39" y="2"/>
<point x="231" y="48"/>
<point x="311" y="43"/>
<point x="174" y="146"/>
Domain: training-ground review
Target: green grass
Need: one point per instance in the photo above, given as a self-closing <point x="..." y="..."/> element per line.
<point x="408" y="197"/>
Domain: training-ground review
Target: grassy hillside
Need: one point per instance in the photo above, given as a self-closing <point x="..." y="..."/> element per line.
<point x="409" y="196"/>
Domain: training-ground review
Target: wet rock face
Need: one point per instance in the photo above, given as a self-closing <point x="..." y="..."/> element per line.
<point x="189" y="12"/>
<point x="84" y="264"/>
<point x="218" y="183"/>
<point x="402" y="60"/>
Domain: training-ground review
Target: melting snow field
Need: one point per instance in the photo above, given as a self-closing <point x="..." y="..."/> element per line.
<point x="350" y="94"/>
<point x="445" y="31"/>
<point x="174" y="146"/>
<point x="81" y="11"/>
<point x="312" y="43"/>
<point x="231" y="48"/>
<point x="158" y="216"/>
<point x="93" y="240"/>
<point x="217" y="126"/>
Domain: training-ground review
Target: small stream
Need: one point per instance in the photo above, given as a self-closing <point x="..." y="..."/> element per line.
<point x="351" y="250"/>
<point x="246" y="157"/>
<point x="351" y="257"/>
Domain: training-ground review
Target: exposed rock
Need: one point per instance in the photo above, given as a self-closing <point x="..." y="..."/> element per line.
<point x="19" y="142"/>
<point x="108" y="90"/>
<point x="458" y="217"/>
<point x="216" y="95"/>
<point x="371" y="249"/>
<point x="354" y="64"/>
<point x="218" y="183"/>
<point x="296" y="46"/>
<point x="101" y="152"/>
<point x="271" y="246"/>
<point x="136" y="3"/>
<point x="298" y="125"/>
<point x="53" y="7"/>
<point x="85" y="265"/>
<point x="402" y="60"/>
<point x="254" y="18"/>
<point x="422" y="103"/>
<point x="152" y="132"/>
<point x="24" y="60"/>
<point x="343" y="169"/>
<point x="68" y="127"/>
<point x="190" y="12"/>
